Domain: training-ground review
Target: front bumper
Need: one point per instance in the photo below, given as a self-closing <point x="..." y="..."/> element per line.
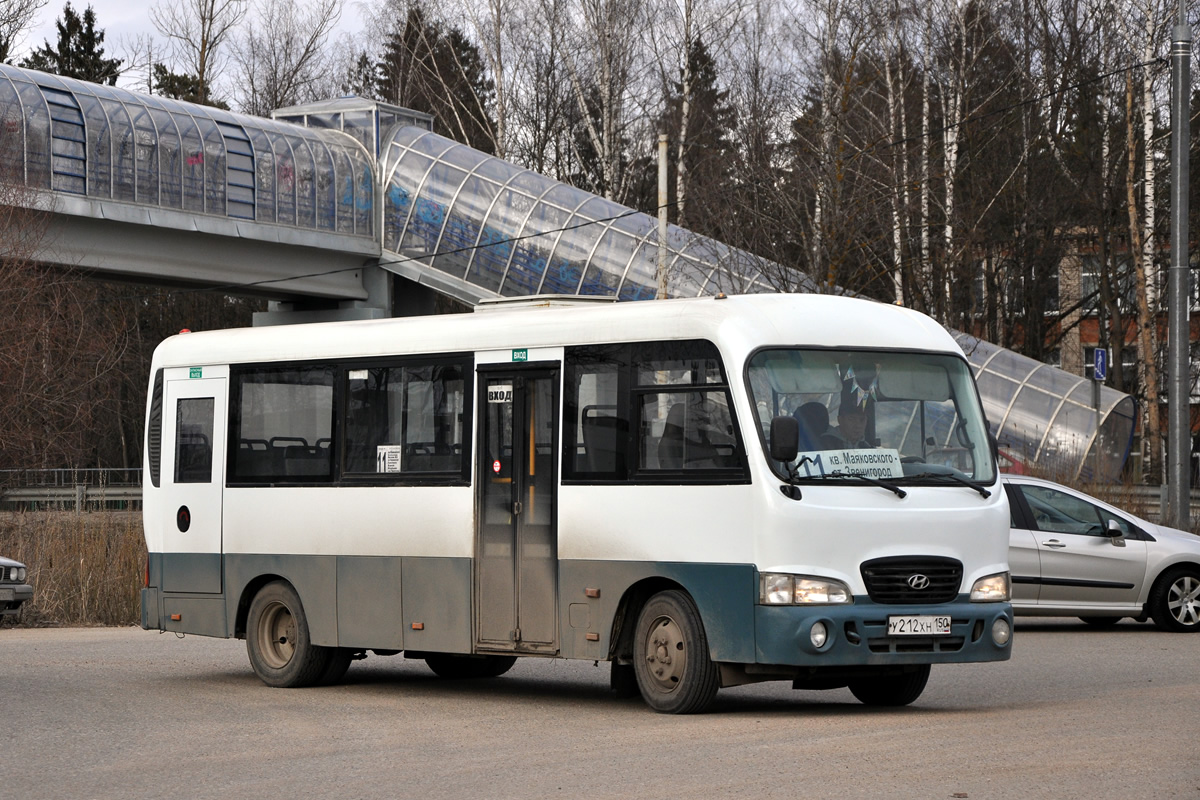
<point x="12" y="597"/>
<point x="857" y="634"/>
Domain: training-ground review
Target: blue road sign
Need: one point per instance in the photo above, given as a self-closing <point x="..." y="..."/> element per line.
<point x="1101" y="364"/>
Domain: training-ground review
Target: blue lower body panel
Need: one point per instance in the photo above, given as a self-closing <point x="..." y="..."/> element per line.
<point x="857" y="634"/>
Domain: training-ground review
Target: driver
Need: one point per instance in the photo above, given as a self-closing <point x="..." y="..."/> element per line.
<point x="851" y="430"/>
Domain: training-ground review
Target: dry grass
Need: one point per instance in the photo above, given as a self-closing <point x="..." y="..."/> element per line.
<point x="85" y="569"/>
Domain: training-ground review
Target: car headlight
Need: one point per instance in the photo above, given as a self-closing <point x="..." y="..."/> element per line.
<point x="20" y="574"/>
<point x="991" y="589"/>
<point x="780" y="589"/>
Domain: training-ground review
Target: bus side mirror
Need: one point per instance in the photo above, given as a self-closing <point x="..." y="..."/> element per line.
<point x="785" y="439"/>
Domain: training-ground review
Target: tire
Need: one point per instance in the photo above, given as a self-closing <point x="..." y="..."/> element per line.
<point x="339" y="661"/>
<point x="670" y="656"/>
<point x="1101" y="622"/>
<point x="891" y="689"/>
<point x="622" y="681"/>
<point x="277" y="639"/>
<point x="454" y="667"/>
<point x="1175" y="600"/>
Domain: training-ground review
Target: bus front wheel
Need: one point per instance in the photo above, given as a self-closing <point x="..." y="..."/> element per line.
<point x="674" y="671"/>
<point x="277" y="639"/>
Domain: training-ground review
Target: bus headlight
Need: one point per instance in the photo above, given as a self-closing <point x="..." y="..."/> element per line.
<point x="991" y="589"/>
<point x="780" y="589"/>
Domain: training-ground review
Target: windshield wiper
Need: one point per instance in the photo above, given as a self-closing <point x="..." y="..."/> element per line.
<point x="949" y="476"/>
<point x="891" y="487"/>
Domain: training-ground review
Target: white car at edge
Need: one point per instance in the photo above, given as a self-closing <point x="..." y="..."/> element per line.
<point x="1074" y="555"/>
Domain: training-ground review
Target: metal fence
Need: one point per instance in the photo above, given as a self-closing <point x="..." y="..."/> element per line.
<point x="98" y="489"/>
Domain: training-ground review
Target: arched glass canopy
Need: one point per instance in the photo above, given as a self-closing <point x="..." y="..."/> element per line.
<point x="105" y="143"/>
<point x="498" y="229"/>
<point x="1045" y="416"/>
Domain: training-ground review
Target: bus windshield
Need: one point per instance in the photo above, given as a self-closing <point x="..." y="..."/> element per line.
<point x="887" y="415"/>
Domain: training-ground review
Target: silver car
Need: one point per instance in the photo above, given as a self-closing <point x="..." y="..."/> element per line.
<point x="14" y="591"/>
<point x="1071" y="554"/>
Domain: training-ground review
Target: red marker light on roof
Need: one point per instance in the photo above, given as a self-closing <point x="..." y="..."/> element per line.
<point x="185" y="330"/>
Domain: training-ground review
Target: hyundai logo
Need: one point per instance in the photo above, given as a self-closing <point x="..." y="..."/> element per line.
<point x="918" y="581"/>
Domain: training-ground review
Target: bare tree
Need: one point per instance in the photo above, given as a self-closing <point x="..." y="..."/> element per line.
<point x="281" y="53"/>
<point x="15" y="16"/>
<point x="680" y="29"/>
<point x="604" y="39"/>
<point x="539" y="103"/>
<point x="198" y="31"/>
<point x="139" y="54"/>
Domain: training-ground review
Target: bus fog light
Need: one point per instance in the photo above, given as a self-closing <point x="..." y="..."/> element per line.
<point x="818" y="635"/>
<point x="1001" y="632"/>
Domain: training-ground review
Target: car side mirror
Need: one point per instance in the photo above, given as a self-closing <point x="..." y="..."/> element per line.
<point x="785" y="439"/>
<point x="1113" y="531"/>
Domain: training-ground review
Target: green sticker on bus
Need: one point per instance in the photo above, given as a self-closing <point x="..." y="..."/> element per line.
<point x="196" y="372"/>
<point x="521" y="355"/>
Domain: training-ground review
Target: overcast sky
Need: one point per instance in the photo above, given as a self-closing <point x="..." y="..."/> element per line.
<point x="124" y="20"/>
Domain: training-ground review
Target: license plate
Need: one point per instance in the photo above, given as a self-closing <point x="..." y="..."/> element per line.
<point x="6" y="595"/>
<point x="918" y="626"/>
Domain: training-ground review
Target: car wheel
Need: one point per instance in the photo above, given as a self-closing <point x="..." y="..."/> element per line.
<point x="1101" y="622"/>
<point x="1175" y="600"/>
<point x="455" y="667"/>
<point x="895" y="689"/>
<point x="670" y="656"/>
<point x="277" y="639"/>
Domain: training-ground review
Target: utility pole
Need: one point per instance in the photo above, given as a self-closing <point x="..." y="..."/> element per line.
<point x="662" y="216"/>
<point x="1179" y="413"/>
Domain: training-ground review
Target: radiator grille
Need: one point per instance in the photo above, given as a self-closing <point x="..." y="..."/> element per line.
<point x="897" y="580"/>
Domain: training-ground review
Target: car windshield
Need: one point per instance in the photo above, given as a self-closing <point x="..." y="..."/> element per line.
<point x="912" y="417"/>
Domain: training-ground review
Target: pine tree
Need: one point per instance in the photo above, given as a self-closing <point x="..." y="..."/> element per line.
<point x="79" y="52"/>
<point x="182" y="87"/>
<point x="438" y="70"/>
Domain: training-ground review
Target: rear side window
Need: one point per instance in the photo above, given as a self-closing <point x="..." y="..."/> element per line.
<point x="282" y="424"/>
<point x="194" y="440"/>
<point x="154" y="429"/>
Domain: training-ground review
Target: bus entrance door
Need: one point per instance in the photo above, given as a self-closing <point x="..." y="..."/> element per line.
<point x="517" y="559"/>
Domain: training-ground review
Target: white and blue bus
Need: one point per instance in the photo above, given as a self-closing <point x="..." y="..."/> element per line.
<point x="705" y="492"/>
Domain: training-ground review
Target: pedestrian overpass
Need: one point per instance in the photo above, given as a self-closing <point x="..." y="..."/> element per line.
<point x="354" y="209"/>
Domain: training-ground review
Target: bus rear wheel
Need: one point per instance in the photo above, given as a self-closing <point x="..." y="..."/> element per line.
<point x="277" y="639"/>
<point x="891" y="689"/>
<point x="670" y="656"/>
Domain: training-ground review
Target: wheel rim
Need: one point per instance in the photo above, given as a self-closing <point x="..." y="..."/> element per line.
<point x="1183" y="600"/>
<point x="277" y="635"/>
<point x="666" y="654"/>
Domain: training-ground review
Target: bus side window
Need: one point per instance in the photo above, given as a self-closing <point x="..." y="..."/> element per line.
<point x="596" y="424"/>
<point x="283" y="424"/>
<point x="405" y="419"/>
